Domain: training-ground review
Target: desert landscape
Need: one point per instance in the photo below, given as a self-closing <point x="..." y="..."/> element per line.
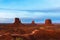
<point x="29" y="19"/>
<point x="33" y="31"/>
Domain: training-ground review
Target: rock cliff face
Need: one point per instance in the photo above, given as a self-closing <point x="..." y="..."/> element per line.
<point x="17" y="21"/>
<point x="48" y="22"/>
<point x="33" y="22"/>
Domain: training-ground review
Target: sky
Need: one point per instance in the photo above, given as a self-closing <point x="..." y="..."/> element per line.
<point x="35" y="9"/>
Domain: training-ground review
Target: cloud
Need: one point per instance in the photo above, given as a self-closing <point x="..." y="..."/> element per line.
<point x="26" y="14"/>
<point x="30" y="8"/>
<point x="6" y="20"/>
<point x="7" y="15"/>
<point x="30" y="4"/>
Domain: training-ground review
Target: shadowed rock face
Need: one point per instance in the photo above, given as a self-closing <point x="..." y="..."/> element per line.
<point x="33" y="22"/>
<point x="48" y="22"/>
<point x="17" y="21"/>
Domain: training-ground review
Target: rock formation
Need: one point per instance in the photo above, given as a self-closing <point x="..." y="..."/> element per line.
<point x="29" y="31"/>
<point x="33" y="22"/>
<point x="48" y="22"/>
<point x="17" y="21"/>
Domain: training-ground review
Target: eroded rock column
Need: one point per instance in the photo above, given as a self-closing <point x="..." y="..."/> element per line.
<point x="48" y="22"/>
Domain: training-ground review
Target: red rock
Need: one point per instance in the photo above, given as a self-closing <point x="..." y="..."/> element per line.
<point x="48" y="22"/>
<point x="17" y="21"/>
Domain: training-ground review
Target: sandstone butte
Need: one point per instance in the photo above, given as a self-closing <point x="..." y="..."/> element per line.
<point x="33" y="31"/>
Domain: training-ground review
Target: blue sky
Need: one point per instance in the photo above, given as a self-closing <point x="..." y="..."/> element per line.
<point x="30" y="9"/>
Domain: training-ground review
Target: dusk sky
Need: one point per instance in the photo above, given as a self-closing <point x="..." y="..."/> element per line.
<point x="43" y="9"/>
